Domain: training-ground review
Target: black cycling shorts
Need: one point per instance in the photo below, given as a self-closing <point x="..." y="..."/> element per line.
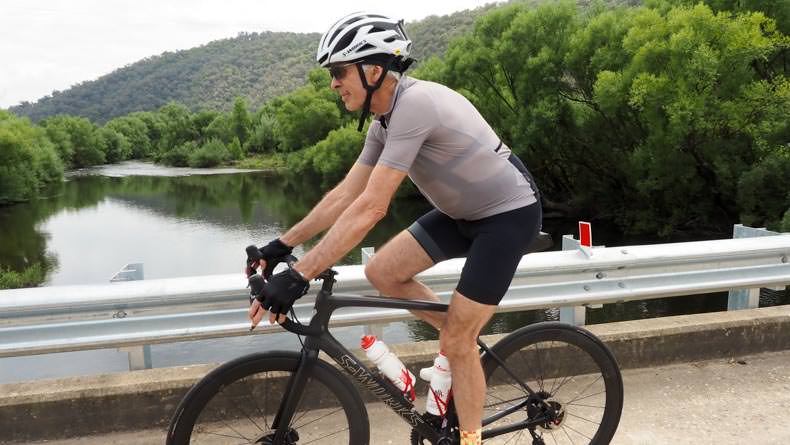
<point x="493" y="247"/>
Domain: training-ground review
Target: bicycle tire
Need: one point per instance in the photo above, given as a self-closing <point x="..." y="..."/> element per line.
<point x="560" y="361"/>
<point x="244" y="379"/>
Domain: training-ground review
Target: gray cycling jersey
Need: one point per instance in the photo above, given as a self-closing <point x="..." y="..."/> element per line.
<point x="440" y="139"/>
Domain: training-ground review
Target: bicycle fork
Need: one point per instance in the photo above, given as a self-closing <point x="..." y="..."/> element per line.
<point x="294" y="390"/>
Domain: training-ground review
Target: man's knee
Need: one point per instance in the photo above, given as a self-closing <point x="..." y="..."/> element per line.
<point x="456" y="343"/>
<point x="382" y="275"/>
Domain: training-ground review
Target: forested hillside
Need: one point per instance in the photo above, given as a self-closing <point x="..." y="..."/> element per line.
<point x="257" y="66"/>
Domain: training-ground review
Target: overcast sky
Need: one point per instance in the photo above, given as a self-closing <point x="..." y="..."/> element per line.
<point x="48" y="45"/>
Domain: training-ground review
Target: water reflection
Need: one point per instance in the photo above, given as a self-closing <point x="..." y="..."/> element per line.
<point x="90" y="226"/>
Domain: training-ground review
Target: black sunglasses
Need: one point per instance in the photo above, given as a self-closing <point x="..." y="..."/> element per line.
<point x="338" y="72"/>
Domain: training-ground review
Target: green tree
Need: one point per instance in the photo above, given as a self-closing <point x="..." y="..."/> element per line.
<point x="303" y="118"/>
<point x="177" y="127"/>
<point x="28" y="160"/>
<point x="778" y="10"/>
<point x="210" y="154"/>
<point x="76" y="138"/>
<point x="235" y="150"/>
<point x="332" y="157"/>
<point x="115" y="146"/>
<point x="135" y="130"/>
<point x="220" y="128"/>
<point x="154" y="128"/>
<point x="763" y="194"/>
<point x="178" y="156"/>
<point x="201" y="122"/>
<point x="262" y="138"/>
<point x="241" y="121"/>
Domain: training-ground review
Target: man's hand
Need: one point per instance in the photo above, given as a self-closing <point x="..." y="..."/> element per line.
<point x="270" y="256"/>
<point x="276" y="295"/>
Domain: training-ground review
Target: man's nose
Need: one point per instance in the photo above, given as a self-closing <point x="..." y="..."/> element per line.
<point x="334" y="84"/>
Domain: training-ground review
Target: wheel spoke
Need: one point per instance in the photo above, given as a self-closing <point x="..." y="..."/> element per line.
<point x="585" y="406"/>
<point x="585" y="397"/>
<point x="583" y="418"/>
<point x="243" y="413"/>
<point x="575" y="431"/>
<point x="568" y="435"/>
<point x="328" y="435"/>
<point x="211" y="433"/>
<point x="540" y="368"/>
<point x="316" y="420"/>
<point x="587" y="387"/>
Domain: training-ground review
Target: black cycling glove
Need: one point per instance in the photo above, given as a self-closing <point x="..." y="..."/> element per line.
<point x="280" y="291"/>
<point x="274" y="253"/>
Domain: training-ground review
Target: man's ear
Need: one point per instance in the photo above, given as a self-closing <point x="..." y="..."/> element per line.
<point x="375" y="73"/>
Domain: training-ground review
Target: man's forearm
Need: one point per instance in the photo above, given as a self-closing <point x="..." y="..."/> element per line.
<point x="349" y="230"/>
<point x="323" y="215"/>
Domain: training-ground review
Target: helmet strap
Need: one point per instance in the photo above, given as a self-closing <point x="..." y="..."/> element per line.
<point x="370" y="89"/>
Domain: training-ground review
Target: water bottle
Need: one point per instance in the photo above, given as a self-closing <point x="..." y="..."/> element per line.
<point x="389" y="365"/>
<point x="440" y="389"/>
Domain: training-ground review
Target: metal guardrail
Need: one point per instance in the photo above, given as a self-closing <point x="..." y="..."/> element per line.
<point x="136" y="314"/>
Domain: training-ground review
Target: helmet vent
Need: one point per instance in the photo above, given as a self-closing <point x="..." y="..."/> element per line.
<point x="344" y="41"/>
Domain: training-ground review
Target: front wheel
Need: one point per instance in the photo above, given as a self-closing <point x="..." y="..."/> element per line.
<point x="237" y="402"/>
<point x="577" y="385"/>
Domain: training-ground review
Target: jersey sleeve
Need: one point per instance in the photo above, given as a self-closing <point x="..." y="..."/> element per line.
<point x="374" y="144"/>
<point x="412" y="122"/>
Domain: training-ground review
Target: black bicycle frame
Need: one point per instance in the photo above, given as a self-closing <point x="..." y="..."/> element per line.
<point x="318" y="339"/>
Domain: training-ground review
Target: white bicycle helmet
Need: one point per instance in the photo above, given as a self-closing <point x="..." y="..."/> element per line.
<point x="361" y="35"/>
<point x="373" y="39"/>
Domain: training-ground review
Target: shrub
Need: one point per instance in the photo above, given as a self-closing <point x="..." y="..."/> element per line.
<point x="178" y="156"/>
<point x="211" y="154"/>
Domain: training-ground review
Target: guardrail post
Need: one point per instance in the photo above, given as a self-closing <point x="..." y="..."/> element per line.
<point x="376" y="329"/>
<point x="747" y="298"/>
<point x="575" y="315"/>
<point x="139" y="356"/>
<point x="130" y="272"/>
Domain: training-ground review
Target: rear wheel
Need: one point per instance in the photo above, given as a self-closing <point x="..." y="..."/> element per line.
<point x="236" y="403"/>
<point x="577" y="383"/>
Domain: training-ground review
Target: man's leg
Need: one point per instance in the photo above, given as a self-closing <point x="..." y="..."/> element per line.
<point x="458" y="339"/>
<point x="392" y="270"/>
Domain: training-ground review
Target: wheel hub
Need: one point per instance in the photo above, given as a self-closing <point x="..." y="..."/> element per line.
<point x="553" y="411"/>
<point x="291" y="438"/>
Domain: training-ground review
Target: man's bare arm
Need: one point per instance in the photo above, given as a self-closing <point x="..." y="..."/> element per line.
<point x="328" y="210"/>
<point x="354" y="223"/>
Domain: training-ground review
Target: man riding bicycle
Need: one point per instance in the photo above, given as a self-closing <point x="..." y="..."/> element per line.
<point x="486" y="203"/>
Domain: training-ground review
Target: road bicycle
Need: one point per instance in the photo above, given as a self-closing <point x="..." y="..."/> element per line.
<point x="547" y="383"/>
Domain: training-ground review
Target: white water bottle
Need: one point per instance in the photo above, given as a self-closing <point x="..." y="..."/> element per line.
<point x="441" y="384"/>
<point x="389" y="365"/>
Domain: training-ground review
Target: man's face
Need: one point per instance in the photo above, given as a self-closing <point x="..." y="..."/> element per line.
<point x="346" y="82"/>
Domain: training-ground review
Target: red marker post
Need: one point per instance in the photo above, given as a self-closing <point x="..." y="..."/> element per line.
<point x="585" y="238"/>
<point x="585" y="234"/>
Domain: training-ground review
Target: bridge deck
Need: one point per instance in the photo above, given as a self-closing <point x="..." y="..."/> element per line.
<point x="704" y="402"/>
